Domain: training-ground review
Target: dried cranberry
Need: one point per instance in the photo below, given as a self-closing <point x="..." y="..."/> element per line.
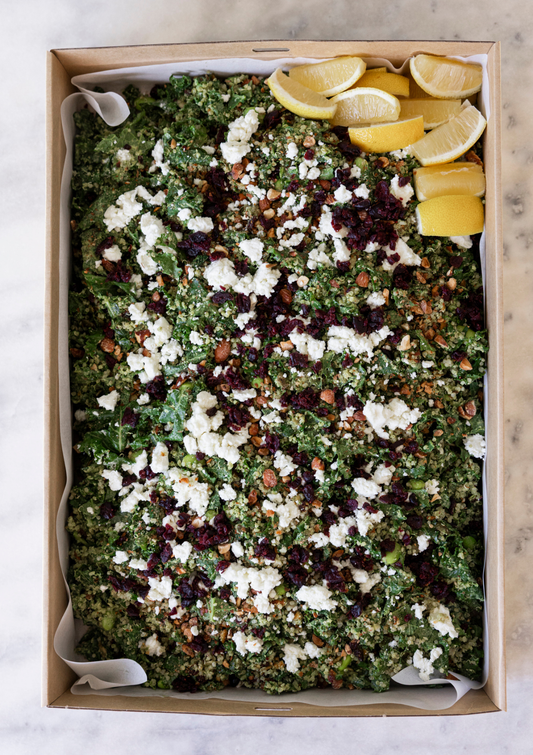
<point x="156" y="388"/>
<point x="129" y="418"/>
<point x="106" y="510"/>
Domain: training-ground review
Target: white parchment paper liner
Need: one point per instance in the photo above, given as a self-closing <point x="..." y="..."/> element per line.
<point x="124" y="676"/>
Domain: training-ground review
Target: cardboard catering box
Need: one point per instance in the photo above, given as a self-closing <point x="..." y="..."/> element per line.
<point x="62" y="65"/>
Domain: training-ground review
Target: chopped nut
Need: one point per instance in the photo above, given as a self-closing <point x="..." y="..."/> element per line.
<point x="425" y="307"/>
<point x="273" y="194"/>
<point x="264" y="204"/>
<point x="386" y="294"/>
<point x="252" y="497"/>
<point x="440" y="340"/>
<point x="222" y="351"/>
<point x="187" y="650"/>
<point x="328" y="396"/>
<point x="269" y="478"/>
<point x="286" y="295"/>
<point x="360" y="417"/>
<point x="222" y="249"/>
<point x="317" y="464"/>
<point x="465" y="364"/>
<point x="268" y="214"/>
<point x="302" y="281"/>
<point x="107" y="345"/>
<point x="421" y="278"/>
<point x="470" y="409"/>
<point x="438" y="433"/>
<point x="224" y="548"/>
<point x="237" y="171"/>
<point x="254" y="429"/>
<point x="257" y="441"/>
<point x="452" y="284"/>
<point x="405" y="343"/>
<point x="473" y="158"/>
<point x="317" y="641"/>
<point x="286" y="345"/>
<point x="362" y="279"/>
<point x="309" y="141"/>
<point x="425" y="262"/>
<point x="173" y="144"/>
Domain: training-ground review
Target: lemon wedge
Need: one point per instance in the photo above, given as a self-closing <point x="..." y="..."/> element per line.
<point x="365" y="105"/>
<point x="331" y="76"/>
<point x="434" y="112"/>
<point x="450" y="215"/>
<point x="386" y="137"/>
<point x="451" y="140"/>
<point x="442" y="77"/>
<point x="392" y="83"/>
<point x="452" y="178"/>
<point x="298" y="98"/>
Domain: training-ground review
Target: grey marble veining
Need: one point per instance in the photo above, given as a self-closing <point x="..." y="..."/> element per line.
<point x="27" y="30"/>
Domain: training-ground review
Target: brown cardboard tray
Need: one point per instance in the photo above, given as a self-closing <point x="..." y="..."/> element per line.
<point x="62" y="65"/>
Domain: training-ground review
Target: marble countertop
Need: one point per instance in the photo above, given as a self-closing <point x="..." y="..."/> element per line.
<point x="28" y="29"/>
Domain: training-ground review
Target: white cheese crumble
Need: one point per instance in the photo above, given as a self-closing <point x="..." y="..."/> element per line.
<point x="403" y="193"/>
<point x="108" y="401"/>
<point x="476" y="445"/>
<point x="394" y="415"/>
<point x="425" y="665"/>
<point x="239" y="134"/>
<point x="317" y="598"/>
<point x="406" y="254"/>
<point x="152" y="646"/>
<point x="440" y="619"/>
<point x="423" y="542"/>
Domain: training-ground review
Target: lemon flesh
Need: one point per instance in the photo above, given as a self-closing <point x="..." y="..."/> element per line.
<point x="386" y="137"/>
<point x="392" y="83"/>
<point x="450" y="215"/>
<point x="298" y="98"/>
<point x="452" y="178"/>
<point x="365" y="105"/>
<point x="451" y="140"/>
<point x="442" y="77"/>
<point x="434" y="112"/>
<point x="331" y="76"/>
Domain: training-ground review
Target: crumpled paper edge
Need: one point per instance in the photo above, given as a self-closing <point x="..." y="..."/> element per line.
<point x="123" y="676"/>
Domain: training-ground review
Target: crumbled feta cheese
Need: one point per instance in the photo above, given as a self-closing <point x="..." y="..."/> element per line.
<point x="394" y="415"/>
<point x="108" y="401"/>
<point x="227" y="493"/>
<point x="157" y="154"/>
<point x="205" y="225"/>
<point x="182" y="551"/>
<point x="425" y="665"/>
<point x="317" y="598"/>
<point x="239" y="134"/>
<point x="375" y="299"/>
<point x="284" y="463"/>
<point x="432" y="487"/>
<point x="423" y="542"/>
<point x="252" y="248"/>
<point x="342" y="194"/>
<point x="476" y="445"/>
<point x="341" y="339"/>
<point x="367" y="488"/>
<point x="159" y="461"/>
<point x="292" y="655"/>
<point x="114" y="478"/>
<point x="152" y="646"/>
<point x="403" y="193"/>
<point x="418" y="610"/>
<point x="406" y="254"/>
<point x="440" y="619"/>
<point x="465" y="242"/>
<point x="120" y="557"/>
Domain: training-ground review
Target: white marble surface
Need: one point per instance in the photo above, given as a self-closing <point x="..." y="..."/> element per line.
<point x="27" y="30"/>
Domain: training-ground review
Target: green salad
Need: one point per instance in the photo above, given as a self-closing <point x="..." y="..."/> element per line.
<point x="277" y="392"/>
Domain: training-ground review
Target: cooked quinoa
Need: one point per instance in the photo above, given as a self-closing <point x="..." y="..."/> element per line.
<point x="275" y="382"/>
